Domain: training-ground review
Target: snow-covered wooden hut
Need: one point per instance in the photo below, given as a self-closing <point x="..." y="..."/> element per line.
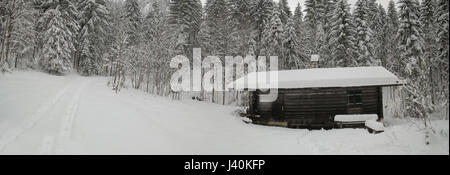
<point x="311" y="98"/>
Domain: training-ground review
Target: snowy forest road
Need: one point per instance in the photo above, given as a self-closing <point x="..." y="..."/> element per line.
<point x="43" y="114"/>
<point x="46" y="122"/>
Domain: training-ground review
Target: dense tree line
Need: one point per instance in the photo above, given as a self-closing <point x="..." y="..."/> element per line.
<point x="119" y="39"/>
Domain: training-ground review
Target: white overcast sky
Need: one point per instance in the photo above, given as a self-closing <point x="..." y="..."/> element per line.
<point x="293" y="3"/>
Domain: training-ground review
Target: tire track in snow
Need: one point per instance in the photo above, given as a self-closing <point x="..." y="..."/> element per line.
<point x="12" y="135"/>
<point x="47" y="146"/>
<point x="68" y="119"/>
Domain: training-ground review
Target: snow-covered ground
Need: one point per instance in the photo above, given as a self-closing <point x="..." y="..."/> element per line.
<point x="44" y="114"/>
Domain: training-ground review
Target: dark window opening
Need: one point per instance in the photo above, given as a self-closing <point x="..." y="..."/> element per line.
<point x="354" y="97"/>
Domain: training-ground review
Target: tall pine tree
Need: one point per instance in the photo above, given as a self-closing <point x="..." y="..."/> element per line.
<point x="133" y="20"/>
<point x="442" y="38"/>
<point x="364" y="34"/>
<point x="427" y="9"/>
<point x="272" y="39"/>
<point x="60" y="28"/>
<point x="186" y="17"/>
<point x="415" y="68"/>
<point x="380" y="38"/>
<point x="393" y="55"/>
<point x="94" y="25"/>
<point x="285" y="11"/>
<point x="291" y="53"/>
<point x="342" y="32"/>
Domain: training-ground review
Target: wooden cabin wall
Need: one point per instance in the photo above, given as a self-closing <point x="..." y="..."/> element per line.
<point x="318" y="105"/>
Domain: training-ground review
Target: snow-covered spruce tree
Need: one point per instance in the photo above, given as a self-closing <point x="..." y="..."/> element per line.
<point x="380" y="37"/>
<point x="372" y="10"/>
<point x="119" y="47"/>
<point x="162" y="43"/>
<point x="17" y="34"/>
<point x="427" y="9"/>
<point x="392" y="55"/>
<point x="3" y="14"/>
<point x="133" y="17"/>
<point x="300" y="32"/>
<point x="94" y="24"/>
<point x="414" y="65"/>
<point x="3" y="31"/>
<point x="298" y="20"/>
<point x="291" y="54"/>
<point x="242" y="24"/>
<point x="217" y="19"/>
<point x="341" y="36"/>
<point x="261" y="12"/>
<point x="7" y="14"/>
<point x="285" y="11"/>
<point x="442" y="56"/>
<point x="313" y="13"/>
<point x="313" y="18"/>
<point x="364" y="34"/>
<point x="325" y="48"/>
<point x="410" y="35"/>
<point x="58" y="36"/>
<point x="133" y="20"/>
<point x="272" y="40"/>
<point x="328" y="7"/>
<point x="186" y="17"/>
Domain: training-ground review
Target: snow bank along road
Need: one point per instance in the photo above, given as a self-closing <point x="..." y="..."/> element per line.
<point x="44" y="114"/>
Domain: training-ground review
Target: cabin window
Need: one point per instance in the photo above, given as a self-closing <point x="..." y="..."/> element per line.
<point x="354" y="97"/>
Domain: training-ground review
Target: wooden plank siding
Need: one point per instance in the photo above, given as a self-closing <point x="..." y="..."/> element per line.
<point x="316" y="106"/>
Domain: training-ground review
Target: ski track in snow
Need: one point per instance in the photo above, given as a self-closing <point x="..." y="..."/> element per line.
<point x="11" y="135"/>
<point x="68" y="120"/>
<point x="47" y="146"/>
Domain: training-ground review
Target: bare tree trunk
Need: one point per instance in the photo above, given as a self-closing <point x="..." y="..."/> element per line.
<point x="432" y="87"/>
<point x="122" y="83"/>
<point x="10" y="29"/>
<point x="118" y="81"/>
<point x="116" y="78"/>
<point x="148" y="80"/>
<point x="34" y="53"/>
<point x="15" y="61"/>
<point x="133" y="80"/>
<point x="237" y="98"/>
<point x="4" y="29"/>
<point x="115" y="74"/>
<point x="111" y="67"/>
<point x="157" y="80"/>
<point x="223" y="94"/>
<point x="213" y="94"/>
<point x="141" y="79"/>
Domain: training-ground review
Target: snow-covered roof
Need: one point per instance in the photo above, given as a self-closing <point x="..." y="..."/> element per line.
<point x="318" y="78"/>
<point x="315" y="57"/>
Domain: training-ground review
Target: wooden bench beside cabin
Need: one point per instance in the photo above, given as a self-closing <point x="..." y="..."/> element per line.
<point x="356" y="121"/>
<point x="374" y="126"/>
